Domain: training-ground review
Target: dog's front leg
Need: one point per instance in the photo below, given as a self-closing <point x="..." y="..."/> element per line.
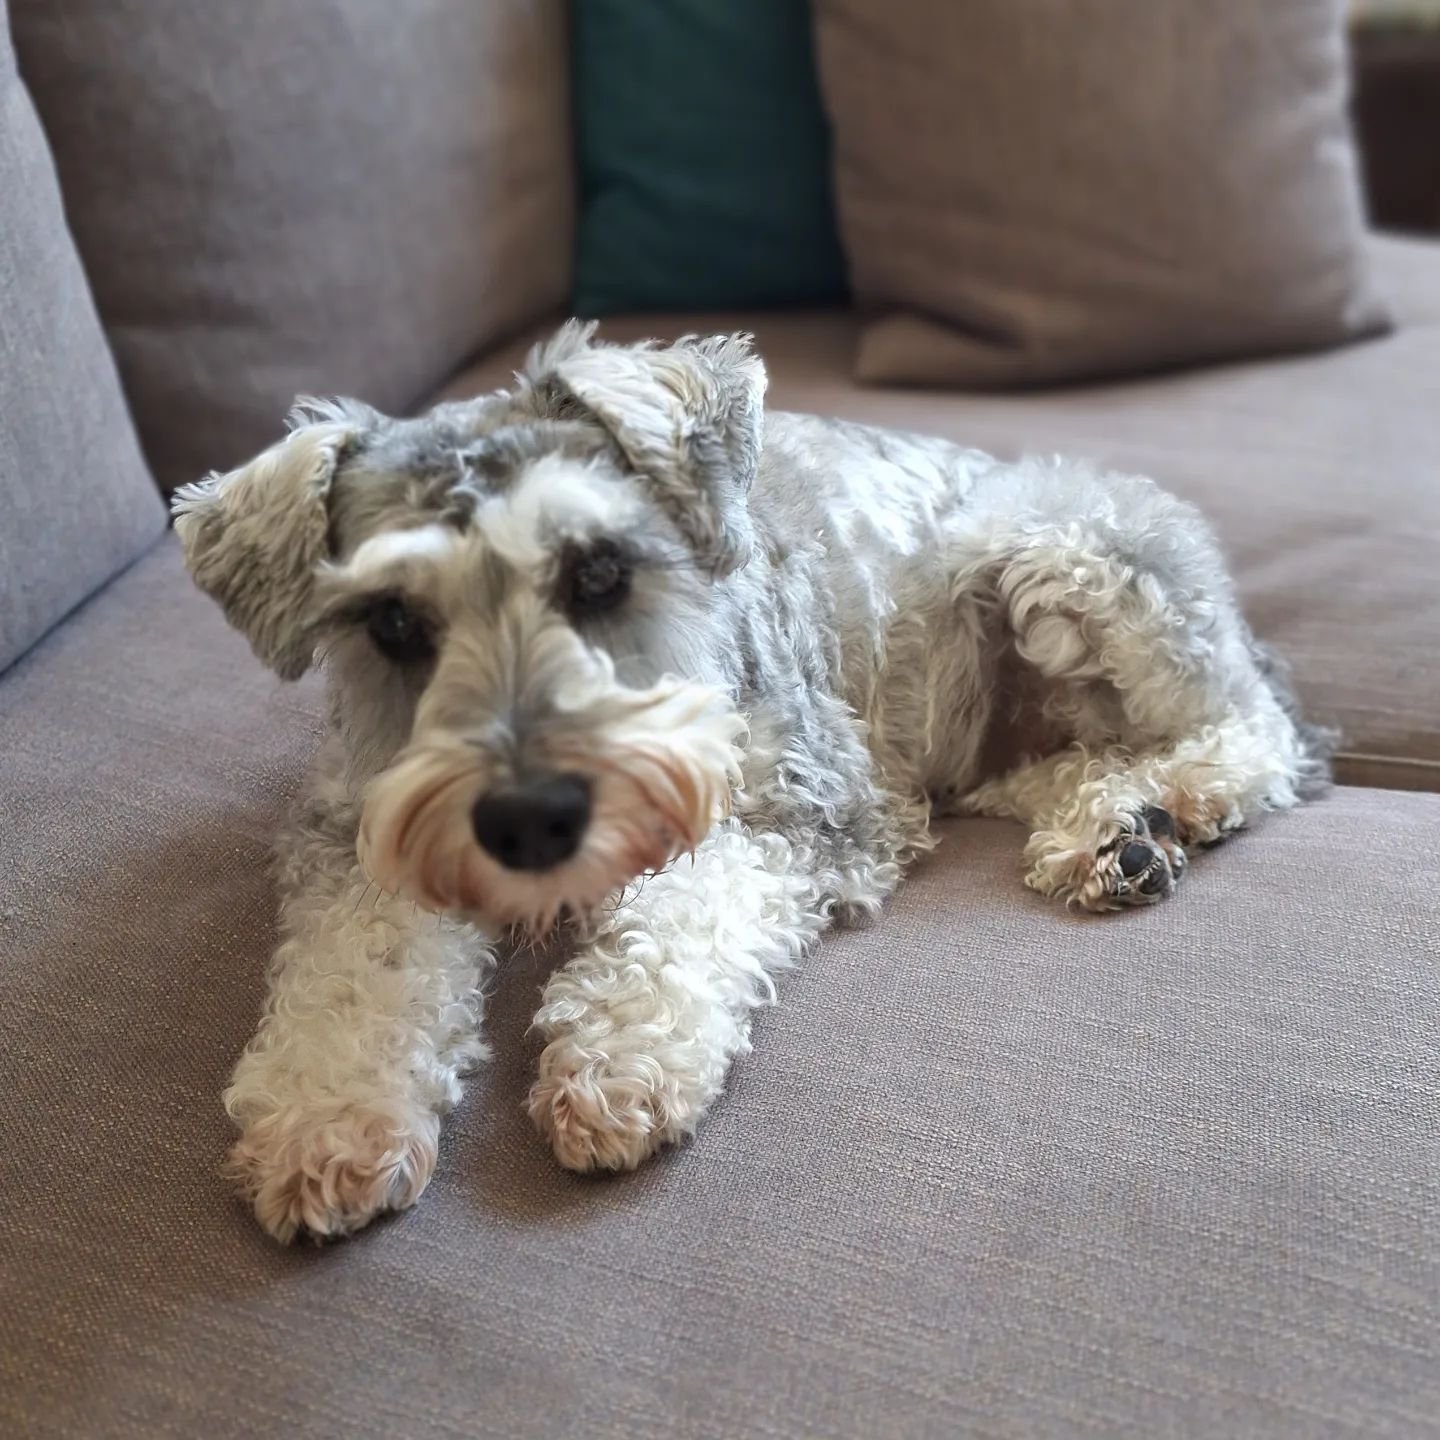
<point x="372" y="1018"/>
<point x="642" y="1024"/>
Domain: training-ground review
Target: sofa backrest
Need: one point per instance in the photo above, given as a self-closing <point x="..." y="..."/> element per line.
<point x="284" y="196"/>
<point x="76" y="501"/>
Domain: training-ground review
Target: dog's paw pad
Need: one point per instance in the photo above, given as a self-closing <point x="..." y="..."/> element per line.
<point x="1137" y="862"/>
<point x="1144" y="862"/>
<point x="1155" y="881"/>
<point x="1141" y="872"/>
<point x="1159" y="823"/>
<point x="1136" y="859"/>
<point x="1161" y="826"/>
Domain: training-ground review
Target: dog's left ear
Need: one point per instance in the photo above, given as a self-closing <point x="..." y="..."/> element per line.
<point x="254" y="538"/>
<point x="689" y="417"/>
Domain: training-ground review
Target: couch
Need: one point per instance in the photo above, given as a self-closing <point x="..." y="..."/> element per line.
<point x="991" y="1169"/>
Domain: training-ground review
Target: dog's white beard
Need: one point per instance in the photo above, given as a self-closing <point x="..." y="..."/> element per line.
<point x="661" y="763"/>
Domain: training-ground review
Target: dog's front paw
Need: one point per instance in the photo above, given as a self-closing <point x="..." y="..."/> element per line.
<point x="607" y="1111"/>
<point x="328" y="1172"/>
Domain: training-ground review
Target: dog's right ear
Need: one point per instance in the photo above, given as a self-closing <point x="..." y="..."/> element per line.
<point x="254" y="538"/>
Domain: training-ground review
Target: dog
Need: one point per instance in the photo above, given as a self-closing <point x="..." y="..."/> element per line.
<point x="619" y="650"/>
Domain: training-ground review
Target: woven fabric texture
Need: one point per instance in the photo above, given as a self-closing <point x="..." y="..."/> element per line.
<point x="990" y="1170"/>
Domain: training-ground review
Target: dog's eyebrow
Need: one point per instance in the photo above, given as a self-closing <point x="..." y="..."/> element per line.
<point x="497" y="459"/>
<point x="552" y="498"/>
<point x="385" y="552"/>
<point x="401" y="562"/>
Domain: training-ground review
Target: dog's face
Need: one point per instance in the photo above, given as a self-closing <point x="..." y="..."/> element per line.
<point x="517" y="598"/>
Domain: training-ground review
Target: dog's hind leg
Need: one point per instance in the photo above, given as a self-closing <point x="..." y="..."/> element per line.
<point x="1110" y="826"/>
<point x="1180" y="733"/>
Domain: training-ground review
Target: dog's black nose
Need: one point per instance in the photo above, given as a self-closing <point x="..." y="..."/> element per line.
<point x="534" y="826"/>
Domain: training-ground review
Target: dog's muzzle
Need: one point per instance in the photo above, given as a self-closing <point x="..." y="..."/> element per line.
<point x="629" y="781"/>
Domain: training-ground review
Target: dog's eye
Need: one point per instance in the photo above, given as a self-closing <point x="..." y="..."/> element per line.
<point x="594" y="578"/>
<point x="398" y="632"/>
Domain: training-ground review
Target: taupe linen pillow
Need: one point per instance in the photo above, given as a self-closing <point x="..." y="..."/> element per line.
<point x="1066" y="189"/>
<point x="275" y="196"/>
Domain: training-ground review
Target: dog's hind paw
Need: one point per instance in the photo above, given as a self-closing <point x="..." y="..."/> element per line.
<point x="1142" y="864"/>
<point x="1139" y="861"/>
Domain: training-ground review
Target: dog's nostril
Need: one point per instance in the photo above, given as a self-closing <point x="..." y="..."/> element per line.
<point x="534" y="826"/>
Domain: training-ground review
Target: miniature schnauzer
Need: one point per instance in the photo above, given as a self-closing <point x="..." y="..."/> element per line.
<point x="619" y="615"/>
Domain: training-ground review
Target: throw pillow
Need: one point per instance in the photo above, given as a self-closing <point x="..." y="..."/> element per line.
<point x="704" y="157"/>
<point x="1068" y="189"/>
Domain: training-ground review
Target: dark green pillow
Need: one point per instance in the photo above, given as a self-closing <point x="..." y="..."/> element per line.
<point x="704" y="157"/>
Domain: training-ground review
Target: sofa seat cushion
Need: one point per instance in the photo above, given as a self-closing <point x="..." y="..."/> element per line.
<point x="991" y="1168"/>
<point x="1322" y="475"/>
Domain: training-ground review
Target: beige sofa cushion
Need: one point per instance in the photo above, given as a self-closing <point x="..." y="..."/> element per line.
<point x="300" y="195"/>
<point x="1046" y="191"/>
<point x="1322" y="474"/>
<point x="992" y="1169"/>
<point x="76" y="502"/>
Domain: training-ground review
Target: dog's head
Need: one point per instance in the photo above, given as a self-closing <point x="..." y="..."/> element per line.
<point x="518" y="598"/>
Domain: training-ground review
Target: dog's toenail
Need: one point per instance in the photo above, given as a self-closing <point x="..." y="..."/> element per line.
<point x="1160" y="822"/>
<point x="1135" y="858"/>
